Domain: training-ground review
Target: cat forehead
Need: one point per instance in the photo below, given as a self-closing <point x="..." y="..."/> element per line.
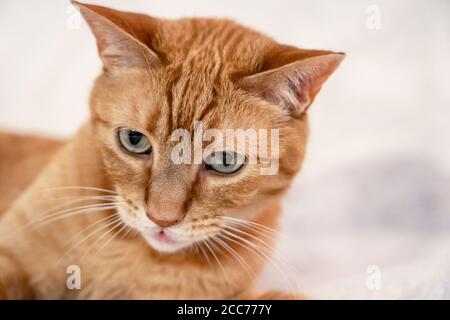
<point x="202" y="40"/>
<point x="203" y="57"/>
<point x="210" y="98"/>
<point x="176" y="97"/>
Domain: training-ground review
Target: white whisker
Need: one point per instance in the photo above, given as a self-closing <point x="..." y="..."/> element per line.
<point x="79" y="188"/>
<point x="225" y="274"/>
<point x="264" y="245"/>
<point x="251" y="223"/>
<point x="261" y="251"/>
<point x="115" y="223"/>
<point x="91" y="226"/>
<point x="77" y="200"/>
<point x="62" y="215"/>
<point x="237" y="256"/>
<point x="113" y="236"/>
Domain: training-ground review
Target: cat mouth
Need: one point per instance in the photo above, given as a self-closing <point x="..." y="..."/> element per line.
<point x="164" y="241"/>
<point x="163" y="236"/>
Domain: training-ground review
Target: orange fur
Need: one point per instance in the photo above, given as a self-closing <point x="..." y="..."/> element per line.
<point x="159" y="75"/>
<point x="21" y="159"/>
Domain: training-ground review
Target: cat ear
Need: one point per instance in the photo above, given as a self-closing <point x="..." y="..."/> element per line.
<point x="122" y="38"/>
<point x="294" y="85"/>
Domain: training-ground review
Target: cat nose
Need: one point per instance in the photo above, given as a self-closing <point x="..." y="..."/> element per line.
<point x="164" y="222"/>
<point x="167" y="201"/>
<point x="165" y="213"/>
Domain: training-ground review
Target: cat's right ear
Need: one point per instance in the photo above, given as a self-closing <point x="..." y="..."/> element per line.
<point x="120" y="37"/>
<point x="292" y="77"/>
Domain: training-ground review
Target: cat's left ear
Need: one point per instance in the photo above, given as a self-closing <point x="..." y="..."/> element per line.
<point x="123" y="38"/>
<point x="292" y="85"/>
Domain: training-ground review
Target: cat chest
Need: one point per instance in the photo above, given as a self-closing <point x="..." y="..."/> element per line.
<point x="119" y="279"/>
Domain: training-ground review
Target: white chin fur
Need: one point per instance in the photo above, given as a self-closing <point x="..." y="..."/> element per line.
<point x="164" y="246"/>
<point x="145" y="226"/>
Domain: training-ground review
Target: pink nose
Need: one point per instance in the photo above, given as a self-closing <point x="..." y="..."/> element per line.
<point x="164" y="222"/>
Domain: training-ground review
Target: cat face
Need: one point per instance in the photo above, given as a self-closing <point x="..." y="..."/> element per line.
<point x="161" y="77"/>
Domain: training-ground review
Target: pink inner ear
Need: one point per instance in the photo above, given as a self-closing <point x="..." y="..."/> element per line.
<point x="293" y="86"/>
<point x="117" y="48"/>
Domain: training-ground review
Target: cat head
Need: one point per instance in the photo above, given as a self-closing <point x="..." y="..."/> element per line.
<point x="199" y="78"/>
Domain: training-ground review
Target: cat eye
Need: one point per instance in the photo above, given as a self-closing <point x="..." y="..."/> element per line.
<point x="224" y="162"/>
<point x="134" y="141"/>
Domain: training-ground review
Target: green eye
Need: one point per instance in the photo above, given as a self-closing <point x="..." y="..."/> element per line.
<point x="225" y="162"/>
<point x="134" y="141"/>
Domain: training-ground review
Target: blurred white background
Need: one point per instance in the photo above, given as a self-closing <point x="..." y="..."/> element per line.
<point x="374" y="190"/>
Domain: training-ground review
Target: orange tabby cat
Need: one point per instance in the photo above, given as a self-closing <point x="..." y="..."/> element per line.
<point x="113" y="203"/>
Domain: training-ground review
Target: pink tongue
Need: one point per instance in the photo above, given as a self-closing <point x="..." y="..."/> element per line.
<point x="163" y="237"/>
